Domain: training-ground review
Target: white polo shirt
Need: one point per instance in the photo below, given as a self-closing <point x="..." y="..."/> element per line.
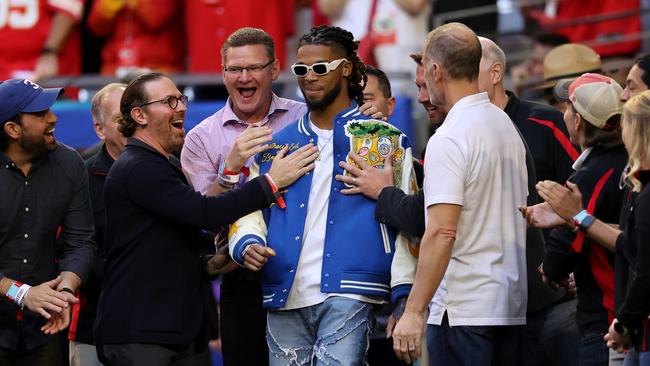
<point x="476" y="159"/>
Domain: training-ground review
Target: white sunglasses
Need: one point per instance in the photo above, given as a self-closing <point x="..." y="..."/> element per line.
<point x="319" y="68"/>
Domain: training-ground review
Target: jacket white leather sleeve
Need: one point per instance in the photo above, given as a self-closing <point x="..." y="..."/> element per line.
<point x="250" y="229"/>
<point x="406" y="249"/>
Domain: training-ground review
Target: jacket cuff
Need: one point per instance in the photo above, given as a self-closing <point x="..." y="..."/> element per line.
<point x="266" y="188"/>
<point x="400" y="291"/>
<point x="384" y="205"/>
<point x="242" y="244"/>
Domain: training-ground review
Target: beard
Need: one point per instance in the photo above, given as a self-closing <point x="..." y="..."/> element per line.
<point x="328" y="98"/>
<point x="36" y="145"/>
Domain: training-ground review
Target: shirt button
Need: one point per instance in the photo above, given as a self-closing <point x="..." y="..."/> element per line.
<point x="327" y="255"/>
<point x="302" y="205"/>
<point x="24" y="260"/>
<point x="307" y="173"/>
<point x="284" y="290"/>
<point x="26" y="209"/>
<point x="291" y="271"/>
<point x="297" y="237"/>
<point x="338" y="156"/>
<point x="331" y="222"/>
<point x="26" y="183"/>
<point x="7" y="166"/>
<point x="281" y="300"/>
<point x="26" y="236"/>
<point x="327" y="275"/>
<point x="311" y="140"/>
<point x="336" y="189"/>
<point x="326" y="285"/>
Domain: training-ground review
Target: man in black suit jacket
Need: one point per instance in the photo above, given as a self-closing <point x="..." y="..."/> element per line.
<point x="150" y="310"/>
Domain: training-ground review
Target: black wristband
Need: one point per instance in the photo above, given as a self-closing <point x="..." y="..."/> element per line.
<point x="620" y="328"/>
<point x="65" y="289"/>
<point x="48" y="50"/>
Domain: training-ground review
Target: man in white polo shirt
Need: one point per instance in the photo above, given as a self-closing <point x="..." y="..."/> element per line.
<point x="472" y="255"/>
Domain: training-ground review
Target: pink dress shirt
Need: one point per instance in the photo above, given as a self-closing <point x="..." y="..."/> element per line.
<point x="207" y="144"/>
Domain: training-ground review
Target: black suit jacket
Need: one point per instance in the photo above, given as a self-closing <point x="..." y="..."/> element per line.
<point x="152" y="289"/>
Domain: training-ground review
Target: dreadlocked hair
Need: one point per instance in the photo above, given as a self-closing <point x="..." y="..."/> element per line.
<point x="344" y="41"/>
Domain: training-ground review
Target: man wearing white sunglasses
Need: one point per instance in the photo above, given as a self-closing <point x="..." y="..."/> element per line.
<point x="323" y="257"/>
<point x="221" y="148"/>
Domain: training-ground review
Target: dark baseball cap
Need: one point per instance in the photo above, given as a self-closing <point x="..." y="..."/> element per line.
<point x="22" y="95"/>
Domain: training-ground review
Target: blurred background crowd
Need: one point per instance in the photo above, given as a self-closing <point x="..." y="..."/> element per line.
<point x="87" y="44"/>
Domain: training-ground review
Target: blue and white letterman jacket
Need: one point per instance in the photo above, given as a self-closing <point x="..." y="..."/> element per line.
<point x="360" y="255"/>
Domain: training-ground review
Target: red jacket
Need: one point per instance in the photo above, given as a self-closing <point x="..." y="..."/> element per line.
<point x="142" y="33"/>
<point x="23" y="34"/>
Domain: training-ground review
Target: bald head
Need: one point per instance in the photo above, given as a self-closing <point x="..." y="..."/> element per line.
<point x="491" y="52"/>
<point x="456" y="48"/>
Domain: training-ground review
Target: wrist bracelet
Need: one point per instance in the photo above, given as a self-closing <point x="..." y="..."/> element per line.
<point x="65" y="289"/>
<point x="48" y="51"/>
<point x="226" y="175"/>
<point x="17" y="292"/>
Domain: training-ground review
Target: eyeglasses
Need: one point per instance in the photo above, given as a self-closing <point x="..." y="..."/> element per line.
<point x="236" y="70"/>
<point x="171" y="101"/>
<point x="319" y="68"/>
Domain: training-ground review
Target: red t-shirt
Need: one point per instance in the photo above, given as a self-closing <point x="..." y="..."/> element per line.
<point x="210" y="22"/>
<point x="24" y="27"/>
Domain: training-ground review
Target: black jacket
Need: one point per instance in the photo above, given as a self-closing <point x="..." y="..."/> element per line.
<point x="152" y="289"/>
<point x="545" y="132"/>
<point x="633" y="266"/>
<point x="592" y="265"/>
<point x="83" y="313"/>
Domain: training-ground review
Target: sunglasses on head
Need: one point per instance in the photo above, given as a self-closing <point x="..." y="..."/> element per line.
<point x="319" y="68"/>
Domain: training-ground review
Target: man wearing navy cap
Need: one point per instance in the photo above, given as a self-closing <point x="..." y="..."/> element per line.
<point x="44" y="197"/>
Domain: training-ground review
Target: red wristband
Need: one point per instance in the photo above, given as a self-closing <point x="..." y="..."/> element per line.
<point x="244" y="170"/>
<point x="229" y="172"/>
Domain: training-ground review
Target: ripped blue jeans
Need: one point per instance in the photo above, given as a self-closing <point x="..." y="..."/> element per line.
<point x="334" y="332"/>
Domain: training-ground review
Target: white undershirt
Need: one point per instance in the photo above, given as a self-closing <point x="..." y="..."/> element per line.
<point x="305" y="290"/>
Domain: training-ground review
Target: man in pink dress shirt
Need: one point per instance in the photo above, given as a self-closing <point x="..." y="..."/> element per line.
<point x="223" y="144"/>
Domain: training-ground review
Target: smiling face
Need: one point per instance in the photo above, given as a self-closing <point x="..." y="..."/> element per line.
<point x="321" y="91"/>
<point x="250" y="91"/>
<point x="436" y="117"/>
<point x="37" y="132"/>
<point x="164" y="124"/>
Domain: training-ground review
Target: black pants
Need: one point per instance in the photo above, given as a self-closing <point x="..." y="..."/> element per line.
<point x="48" y="354"/>
<point x="135" y="354"/>
<point x="381" y="353"/>
<point x="243" y="320"/>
